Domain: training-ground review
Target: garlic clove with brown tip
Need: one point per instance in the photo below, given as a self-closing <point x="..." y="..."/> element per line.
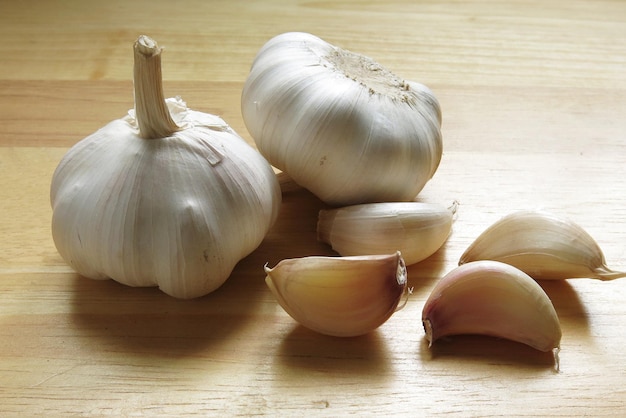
<point x="416" y="229"/>
<point x="494" y="299"/>
<point x="339" y="296"/>
<point x="166" y="197"/>
<point x="340" y="124"/>
<point x="542" y="244"/>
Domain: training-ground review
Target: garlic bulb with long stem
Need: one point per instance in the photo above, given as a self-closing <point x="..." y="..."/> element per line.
<point x="166" y="196"/>
<point x="340" y="124"/>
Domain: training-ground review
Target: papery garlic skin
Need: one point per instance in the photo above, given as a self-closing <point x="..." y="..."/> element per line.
<point x="542" y="244"/>
<point x="176" y="212"/>
<point x="339" y="296"/>
<point x="416" y="229"/>
<point x="339" y="124"/>
<point x="494" y="299"/>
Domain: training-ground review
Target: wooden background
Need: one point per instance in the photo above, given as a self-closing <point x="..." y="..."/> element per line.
<point x="534" y="103"/>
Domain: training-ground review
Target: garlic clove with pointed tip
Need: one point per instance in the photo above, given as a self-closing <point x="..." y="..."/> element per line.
<point x="415" y="229"/>
<point x="494" y="299"/>
<point x="544" y="245"/>
<point x="339" y="296"/>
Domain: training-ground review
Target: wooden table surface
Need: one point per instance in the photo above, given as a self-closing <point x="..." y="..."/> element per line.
<point x="534" y="102"/>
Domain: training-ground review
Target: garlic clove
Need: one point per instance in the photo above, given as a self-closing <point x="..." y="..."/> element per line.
<point x="339" y="296"/>
<point x="415" y="229"/>
<point x="543" y="245"/>
<point x="340" y="124"/>
<point x="494" y="299"/>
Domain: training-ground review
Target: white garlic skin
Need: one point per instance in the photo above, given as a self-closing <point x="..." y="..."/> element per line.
<point x="176" y="212"/>
<point x="339" y="124"/>
<point x="416" y="229"/>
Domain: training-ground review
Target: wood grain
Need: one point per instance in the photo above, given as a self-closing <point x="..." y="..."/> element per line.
<point x="533" y="96"/>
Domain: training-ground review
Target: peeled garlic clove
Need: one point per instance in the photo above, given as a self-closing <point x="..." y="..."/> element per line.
<point x="543" y="245"/>
<point x="339" y="296"/>
<point x="494" y="299"/>
<point x="166" y="196"/>
<point x="415" y="229"/>
<point x="340" y="124"/>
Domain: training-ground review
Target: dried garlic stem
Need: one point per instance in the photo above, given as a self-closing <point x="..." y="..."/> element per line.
<point x="153" y="117"/>
<point x="454" y="207"/>
<point x="605" y="273"/>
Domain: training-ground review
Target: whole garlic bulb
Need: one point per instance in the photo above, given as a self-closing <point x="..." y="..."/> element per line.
<point x="165" y="196"/>
<point x="340" y="124"/>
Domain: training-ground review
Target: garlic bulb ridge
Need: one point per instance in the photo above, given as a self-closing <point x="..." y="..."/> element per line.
<point x="165" y="196"/>
<point x="340" y="124"/>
